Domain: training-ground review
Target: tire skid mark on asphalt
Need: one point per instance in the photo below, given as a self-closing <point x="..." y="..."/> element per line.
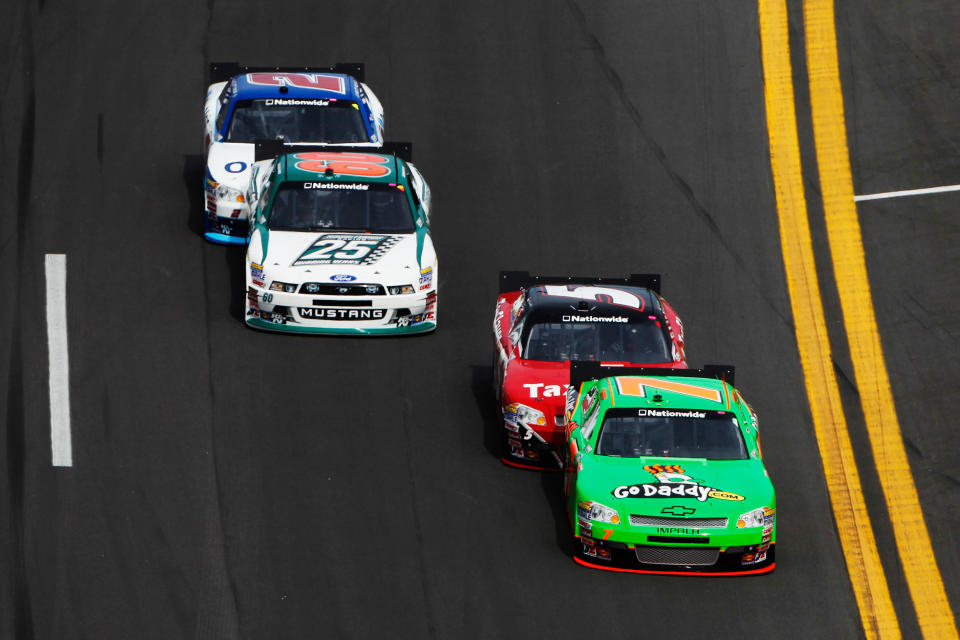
<point x="842" y="477"/>
<point x="22" y="614"/>
<point x="923" y="578"/>
<point x="682" y="186"/>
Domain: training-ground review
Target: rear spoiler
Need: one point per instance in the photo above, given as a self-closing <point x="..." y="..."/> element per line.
<point x="516" y="280"/>
<point x="223" y="71"/>
<point x="581" y="371"/>
<point x="266" y="149"/>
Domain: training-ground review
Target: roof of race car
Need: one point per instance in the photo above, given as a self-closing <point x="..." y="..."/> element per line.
<point x="273" y="84"/>
<point x="669" y="392"/>
<point x="605" y="300"/>
<point x="340" y="166"/>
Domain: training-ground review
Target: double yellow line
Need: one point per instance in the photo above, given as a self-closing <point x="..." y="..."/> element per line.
<point x="869" y="583"/>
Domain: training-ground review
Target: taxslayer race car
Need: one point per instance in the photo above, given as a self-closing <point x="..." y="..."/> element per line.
<point x="297" y="105"/>
<point x="541" y="323"/>
<point x="340" y="243"/>
<point x="664" y="473"/>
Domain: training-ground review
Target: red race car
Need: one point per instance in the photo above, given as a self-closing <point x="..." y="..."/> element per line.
<point x="540" y="323"/>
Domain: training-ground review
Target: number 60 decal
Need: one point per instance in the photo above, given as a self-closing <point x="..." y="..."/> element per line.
<point x="345" y="164"/>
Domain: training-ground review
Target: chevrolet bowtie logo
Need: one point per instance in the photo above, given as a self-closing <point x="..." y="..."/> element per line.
<point x="678" y="510"/>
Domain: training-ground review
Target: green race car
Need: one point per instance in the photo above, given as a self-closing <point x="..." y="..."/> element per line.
<point x="664" y="472"/>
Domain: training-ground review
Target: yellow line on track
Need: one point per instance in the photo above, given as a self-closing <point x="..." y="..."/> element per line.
<point x="843" y="228"/>
<point x="843" y="481"/>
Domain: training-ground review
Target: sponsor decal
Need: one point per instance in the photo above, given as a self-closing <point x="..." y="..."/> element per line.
<point x="754" y="558"/>
<point x="659" y="413"/>
<point x="594" y="319"/>
<point x="426" y="278"/>
<point x="673" y="482"/>
<point x="549" y="390"/>
<point x="256" y="273"/>
<point x="342" y="277"/>
<point x="319" y="313"/>
<point x="346" y="248"/>
<point x="293" y="102"/>
<point x="253" y="307"/>
<point x="593" y="549"/>
<point x="588" y="400"/>
<point x="235" y="167"/>
<point x="337" y="186"/>
<point x="516" y="447"/>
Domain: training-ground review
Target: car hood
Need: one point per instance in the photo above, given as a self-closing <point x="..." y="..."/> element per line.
<point x="676" y="486"/>
<point x="230" y="163"/>
<point x="294" y="256"/>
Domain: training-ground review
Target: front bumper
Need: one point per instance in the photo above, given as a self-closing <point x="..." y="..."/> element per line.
<point x="642" y="550"/>
<point x="531" y="450"/>
<point x="351" y="315"/>
<point x="225" y="222"/>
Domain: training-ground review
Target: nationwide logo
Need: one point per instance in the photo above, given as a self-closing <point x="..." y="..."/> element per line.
<point x="289" y="102"/>
<point x="595" y="319"/>
<point x="338" y="186"/>
<point x="659" y="413"/>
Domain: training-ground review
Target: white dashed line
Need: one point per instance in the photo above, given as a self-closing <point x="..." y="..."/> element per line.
<point x="910" y="192"/>
<point x="60" y="442"/>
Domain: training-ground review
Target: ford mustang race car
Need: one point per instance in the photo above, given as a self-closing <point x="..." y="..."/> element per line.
<point x="340" y="243"/>
<point x="664" y="472"/>
<point x="245" y="104"/>
<point x="541" y="323"/>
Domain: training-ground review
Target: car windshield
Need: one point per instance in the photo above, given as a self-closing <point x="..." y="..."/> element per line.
<point x="677" y="433"/>
<point x="294" y="120"/>
<point x="322" y="206"/>
<point x="639" y="342"/>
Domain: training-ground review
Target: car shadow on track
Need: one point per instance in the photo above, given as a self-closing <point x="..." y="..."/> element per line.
<point x="481" y="383"/>
<point x="193" y="181"/>
<point x="551" y="481"/>
<point x="236" y="263"/>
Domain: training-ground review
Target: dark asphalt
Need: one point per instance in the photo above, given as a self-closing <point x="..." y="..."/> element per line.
<point x="236" y="484"/>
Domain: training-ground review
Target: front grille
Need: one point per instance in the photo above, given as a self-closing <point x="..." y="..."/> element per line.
<point x="677" y="555"/>
<point x="689" y="523"/>
<point x="352" y="289"/>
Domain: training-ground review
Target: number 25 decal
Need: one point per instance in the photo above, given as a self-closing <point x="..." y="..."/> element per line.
<point x="345" y="164"/>
<point x="341" y="249"/>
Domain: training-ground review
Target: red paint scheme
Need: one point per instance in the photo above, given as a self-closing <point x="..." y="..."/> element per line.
<point x="542" y="385"/>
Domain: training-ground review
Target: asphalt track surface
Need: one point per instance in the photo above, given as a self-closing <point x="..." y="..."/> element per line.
<point x="234" y="484"/>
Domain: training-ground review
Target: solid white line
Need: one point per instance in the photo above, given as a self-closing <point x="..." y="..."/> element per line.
<point x="910" y="192"/>
<point x="60" y="443"/>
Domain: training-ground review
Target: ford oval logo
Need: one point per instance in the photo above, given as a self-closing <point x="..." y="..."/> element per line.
<point x="342" y="277"/>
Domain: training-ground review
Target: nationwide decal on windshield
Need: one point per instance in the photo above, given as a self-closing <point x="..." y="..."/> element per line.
<point x="346" y="248"/>
<point x="672" y="482"/>
<point x="293" y="102"/>
<point x="594" y="319"/>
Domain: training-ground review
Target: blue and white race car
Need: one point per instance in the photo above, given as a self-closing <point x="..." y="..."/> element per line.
<point x="307" y="105"/>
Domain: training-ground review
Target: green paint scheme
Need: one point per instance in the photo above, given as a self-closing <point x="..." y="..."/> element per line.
<point x="669" y="492"/>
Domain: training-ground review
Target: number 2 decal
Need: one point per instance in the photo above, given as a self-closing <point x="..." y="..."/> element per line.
<point x="364" y="165"/>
